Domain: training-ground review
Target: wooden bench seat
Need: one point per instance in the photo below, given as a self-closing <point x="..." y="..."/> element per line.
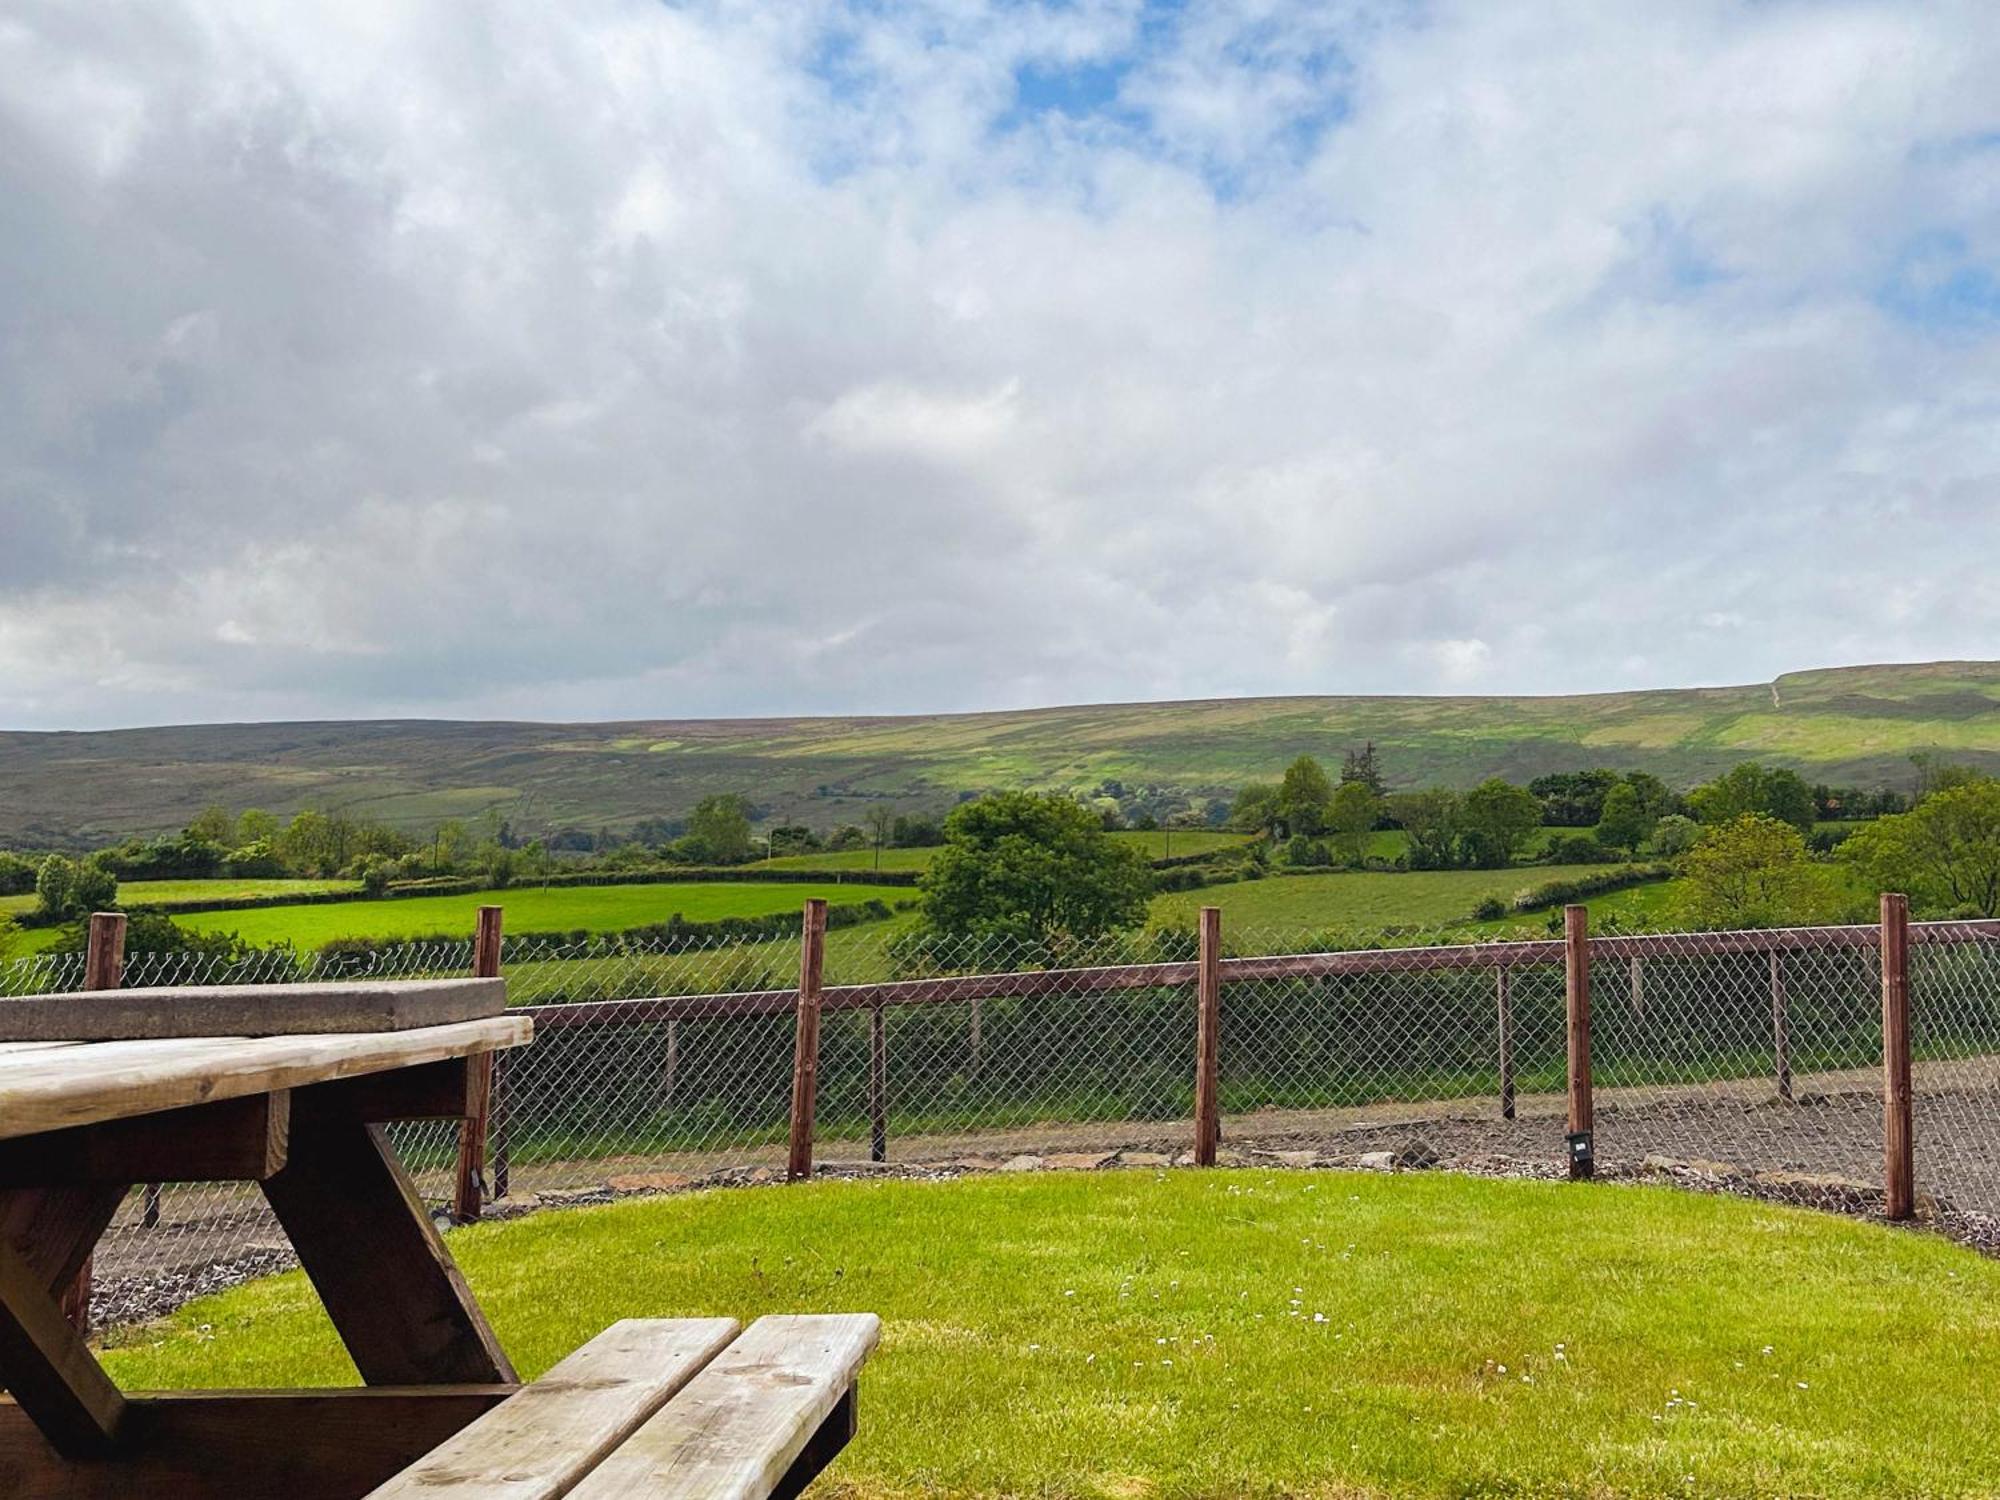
<point x="664" y="1407"/>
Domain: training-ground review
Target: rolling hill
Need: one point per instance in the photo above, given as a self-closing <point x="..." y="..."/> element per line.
<point x="1850" y="724"/>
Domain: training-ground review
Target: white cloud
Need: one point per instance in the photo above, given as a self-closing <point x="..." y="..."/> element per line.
<point x="625" y="359"/>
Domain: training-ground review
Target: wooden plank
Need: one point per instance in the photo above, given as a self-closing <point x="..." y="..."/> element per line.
<point x="367" y="1243"/>
<point x="51" y="1090"/>
<point x="1576" y="1001"/>
<point x="430" y="1091"/>
<point x="174" y="1011"/>
<point x="198" y="1445"/>
<point x="54" y="1229"/>
<point x="805" y="1040"/>
<point x="1898" y="1148"/>
<point x="47" y="1366"/>
<point x="559" y="1428"/>
<point x="1207" y="1039"/>
<point x="236" y="1140"/>
<point x="734" y="1432"/>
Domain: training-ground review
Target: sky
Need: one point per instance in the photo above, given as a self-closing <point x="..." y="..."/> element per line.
<point x="618" y="359"/>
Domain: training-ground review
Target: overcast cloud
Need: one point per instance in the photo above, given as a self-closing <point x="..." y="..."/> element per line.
<point x="618" y="359"/>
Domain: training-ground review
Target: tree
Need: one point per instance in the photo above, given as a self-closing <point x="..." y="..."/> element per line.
<point x="17" y="875"/>
<point x="1361" y="766"/>
<point x="451" y="846"/>
<point x="1936" y="774"/>
<point x="254" y="825"/>
<point x="1255" y="809"/>
<point x="916" y="831"/>
<point x="316" y="843"/>
<point x="847" y="836"/>
<point x="1304" y="797"/>
<point x="1753" y="871"/>
<point x="1751" y="788"/>
<point x="1351" y="818"/>
<point x="881" y="821"/>
<point x="1032" y="868"/>
<point x="65" y="889"/>
<point x="1625" y="822"/>
<point x="721" y="823"/>
<point x="1495" y="819"/>
<point x="1675" y="834"/>
<point x="1430" y="818"/>
<point x="215" y="824"/>
<point x="1573" y="799"/>
<point x="1944" y="852"/>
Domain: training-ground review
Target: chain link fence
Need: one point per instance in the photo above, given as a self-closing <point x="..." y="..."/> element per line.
<point x="1748" y="1061"/>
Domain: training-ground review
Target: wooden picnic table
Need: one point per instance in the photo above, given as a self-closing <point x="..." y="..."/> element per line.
<point x="303" y="1116"/>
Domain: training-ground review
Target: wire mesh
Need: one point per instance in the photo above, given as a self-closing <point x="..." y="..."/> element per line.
<point x="1740" y="1061"/>
<point x="1753" y="1064"/>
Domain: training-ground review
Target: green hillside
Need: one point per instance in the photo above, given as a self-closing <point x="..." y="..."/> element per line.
<point x="1855" y="724"/>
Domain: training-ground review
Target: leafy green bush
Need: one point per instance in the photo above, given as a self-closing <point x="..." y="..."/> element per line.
<point x="1578" y="887"/>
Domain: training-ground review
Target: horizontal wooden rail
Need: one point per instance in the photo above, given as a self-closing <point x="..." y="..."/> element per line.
<point x="954" y="989"/>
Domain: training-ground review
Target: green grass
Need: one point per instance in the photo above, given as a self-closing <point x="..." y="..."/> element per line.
<point x="590" y="908"/>
<point x="1351" y="899"/>
<point x="145" y="892"/>
<point x="1250" y="1333"/>
<point x="852" y="859"/>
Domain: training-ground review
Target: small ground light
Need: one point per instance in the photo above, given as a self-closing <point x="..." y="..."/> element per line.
<point x="1581" y="1162"/>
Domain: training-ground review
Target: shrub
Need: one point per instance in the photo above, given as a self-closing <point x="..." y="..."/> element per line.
<point x="1580" y="849"/>
<point x="1576" y="888"/>
<point x="17" y="875"/>
<point x="1489" y="910"/>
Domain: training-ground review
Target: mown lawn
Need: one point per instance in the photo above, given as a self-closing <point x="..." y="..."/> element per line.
<point x="590" y="908"/>
<point x="1255" y="1333"/>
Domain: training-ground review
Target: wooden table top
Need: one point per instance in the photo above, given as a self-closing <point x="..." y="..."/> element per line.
<point x="52" y="1085"/>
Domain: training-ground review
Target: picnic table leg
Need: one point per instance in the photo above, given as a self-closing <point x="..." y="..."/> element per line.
<point x="821" y="1449"/>
<point x="391" y="1288"/>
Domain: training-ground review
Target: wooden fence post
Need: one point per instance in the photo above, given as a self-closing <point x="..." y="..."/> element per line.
<point x="103" y="969"/>
<point x="1504" y="1003"/>
<point x="1207" y="1044"/>
<point x="1898" y="1148"/>
<point x="973" y="1039"/>
<point x="805" y="1044"/>
<point x="1576" y="995"/>
<point x="1781" y="1029"/>
<point x="878" y="1085"/>
<point x="469" y="1187"/>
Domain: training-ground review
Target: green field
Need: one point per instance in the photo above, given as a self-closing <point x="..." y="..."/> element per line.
<point x="1855" y="724"/>
<point x="587" y="908"/>
<point x="1355" y="899"/>
<point x="1248" y="1333"/>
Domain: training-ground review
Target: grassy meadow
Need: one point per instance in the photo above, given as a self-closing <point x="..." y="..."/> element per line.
<point x="1251" y="1333"/>
<point x="587" y="908"/>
